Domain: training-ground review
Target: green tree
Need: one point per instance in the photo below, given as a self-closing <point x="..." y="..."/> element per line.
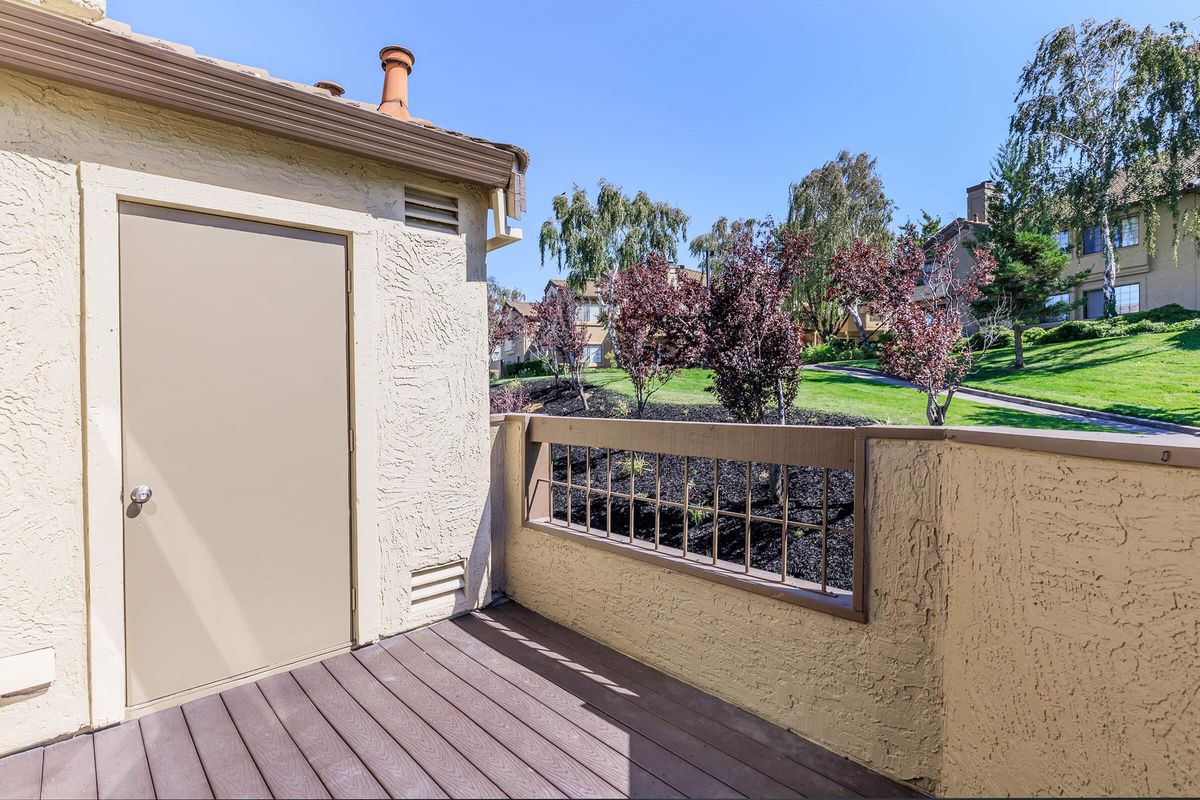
<point x="1107" y="116"/>
<point x="712" y="248"/>
<point x="838" y="203"/>
<point x="595" y="241"/>
<point x="1030" y="264"/>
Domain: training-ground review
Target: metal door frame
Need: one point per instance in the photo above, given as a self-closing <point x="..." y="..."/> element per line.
<point x="103" y="188"/>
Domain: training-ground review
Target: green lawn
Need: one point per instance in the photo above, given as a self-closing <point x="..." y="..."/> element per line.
<point x="1154" y="375"/>
<point x="843" y="394"/>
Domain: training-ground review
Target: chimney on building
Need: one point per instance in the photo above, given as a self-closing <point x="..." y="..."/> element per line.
<point x="397" y="63"/>
<point x="977" y="201"/>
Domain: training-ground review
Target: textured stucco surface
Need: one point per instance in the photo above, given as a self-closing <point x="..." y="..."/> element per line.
<point x="431" y="406"/>
<point x="1034" y="625"/>
<point x="868" y="691"/>
<point x="1072" y="648"/>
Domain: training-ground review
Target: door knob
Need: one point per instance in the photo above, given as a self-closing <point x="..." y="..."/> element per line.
<point x="141" y="494"/>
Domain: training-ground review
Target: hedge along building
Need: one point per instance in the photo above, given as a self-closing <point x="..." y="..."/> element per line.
<point x="241" y="349"/>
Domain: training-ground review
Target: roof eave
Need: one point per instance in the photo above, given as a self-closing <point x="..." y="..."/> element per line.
<point x="61" y="49"/>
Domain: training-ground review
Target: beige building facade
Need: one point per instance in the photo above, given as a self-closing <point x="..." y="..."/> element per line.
<point x="1144" y="281"/>
<point x="412" y="432"/>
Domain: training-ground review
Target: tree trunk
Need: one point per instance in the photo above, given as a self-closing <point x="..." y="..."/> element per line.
<point x="936" y="412"/>
<point x="577" y="381"/>
<point x="1018" y="347"/>
<point x="1110" y="268"/>
<point x="852" y="310"/>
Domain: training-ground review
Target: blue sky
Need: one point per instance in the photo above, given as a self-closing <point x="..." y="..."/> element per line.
<point x="713" y="106"/>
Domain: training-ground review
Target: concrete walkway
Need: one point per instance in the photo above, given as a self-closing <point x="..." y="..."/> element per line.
<point x="1116" y="422"/>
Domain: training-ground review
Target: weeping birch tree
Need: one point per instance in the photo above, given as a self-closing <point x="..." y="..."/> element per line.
<point x="839" y="203"/>
<point x="712" y="248"/>
<point x="592" y="242"/>
<point x="1109" y="118"/>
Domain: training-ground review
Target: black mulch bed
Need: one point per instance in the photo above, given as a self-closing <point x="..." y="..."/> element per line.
<point x="805" y="491"/>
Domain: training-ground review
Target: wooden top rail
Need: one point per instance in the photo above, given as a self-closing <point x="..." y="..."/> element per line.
<point x="806" y="446"/>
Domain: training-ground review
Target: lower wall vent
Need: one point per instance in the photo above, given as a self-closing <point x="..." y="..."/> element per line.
<point x="440" y="586"/>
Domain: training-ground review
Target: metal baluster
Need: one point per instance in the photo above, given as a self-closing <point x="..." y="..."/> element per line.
<point x="657" y="494"/>
<point x="587" y="489"/>
<point x="570" y="516"/>
<point x="716" y="504"/>
<point x="747" y="570"/>
<point x="632" y="478"/>
<point x="825" y="531"/>
<point x="608" y="493"/>
<point x="783" y="550"/>
<point x="686" y="482"/>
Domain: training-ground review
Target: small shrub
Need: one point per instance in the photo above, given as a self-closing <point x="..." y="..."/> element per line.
<point x="1168" y="314"/>
<point x="1145" y="326"/>
<point x="633" y="466"/>
<point x="1033" y="335"/>
<point x="1077" y="331"/>
<point x="510" y="398"/>
<point x="527" y="369"/>
<point x="619" y="409"/>
<point x="697" y="516"/>
<point x="838" y="350"/>
<point x="999" y="338"/>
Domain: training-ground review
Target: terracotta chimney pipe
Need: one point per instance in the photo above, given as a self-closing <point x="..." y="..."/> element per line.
<point x="397" y="63"/>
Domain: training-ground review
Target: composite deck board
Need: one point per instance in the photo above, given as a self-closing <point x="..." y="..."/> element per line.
<point x="121" y="767"/>
<point x="175" y="765"/>
<point x="687" y="778"/>
<point x="390" y="763"/>
<point x="69" y="770"/>
<point x="712" y="760"/>
<point x="457" y="776"/>
<point x="800" y="750"/>
<point x="498" y="703"/>
<point x="21" y="775"/>
<point x="614" y="768"/>
<point x="778" y="767"/>
<point x="283" y="767"/>
<point x="343" y="774"/>
<point x="230" y="769"/>
<point x="572" y="778"/>
<point x="510" y="773"/>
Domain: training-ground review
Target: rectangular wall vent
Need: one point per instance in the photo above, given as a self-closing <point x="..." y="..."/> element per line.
<point x="444" y="584"/>
<point x="433" y="212"/>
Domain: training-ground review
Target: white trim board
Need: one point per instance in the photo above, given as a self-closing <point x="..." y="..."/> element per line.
<point x="101" y="188"/>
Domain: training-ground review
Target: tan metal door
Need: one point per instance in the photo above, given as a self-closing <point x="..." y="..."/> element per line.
<point x="234" y="379"/>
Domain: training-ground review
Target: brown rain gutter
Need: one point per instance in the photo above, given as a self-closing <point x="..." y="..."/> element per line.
<point x="60" y="49"/>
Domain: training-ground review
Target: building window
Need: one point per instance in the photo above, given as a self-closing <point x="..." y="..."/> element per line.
<point x="1063" y="239"/>
<point x="588" y="313"/>
<point x="1060" y="315"/>
<point x="1129" y="300"/>
<point x="1126" y="233"/>
<point x="591" y="354"/>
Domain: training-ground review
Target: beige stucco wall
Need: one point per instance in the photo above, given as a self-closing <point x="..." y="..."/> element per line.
<point x="1032" y="626"/>
<point x="871" y="691"/>
<point x="431" y="412"/>
<point x="1071" y="649"/>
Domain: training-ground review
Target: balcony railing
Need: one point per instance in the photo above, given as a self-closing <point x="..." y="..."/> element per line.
<point x="773" y="509"/>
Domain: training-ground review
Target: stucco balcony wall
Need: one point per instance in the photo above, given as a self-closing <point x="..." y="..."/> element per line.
<point x="1030" y="617"/>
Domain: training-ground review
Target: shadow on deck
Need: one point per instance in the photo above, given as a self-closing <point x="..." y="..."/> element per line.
<point x="498" y="703"/>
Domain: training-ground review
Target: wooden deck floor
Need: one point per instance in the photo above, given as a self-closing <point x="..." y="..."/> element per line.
<point x="502" y="703"/>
